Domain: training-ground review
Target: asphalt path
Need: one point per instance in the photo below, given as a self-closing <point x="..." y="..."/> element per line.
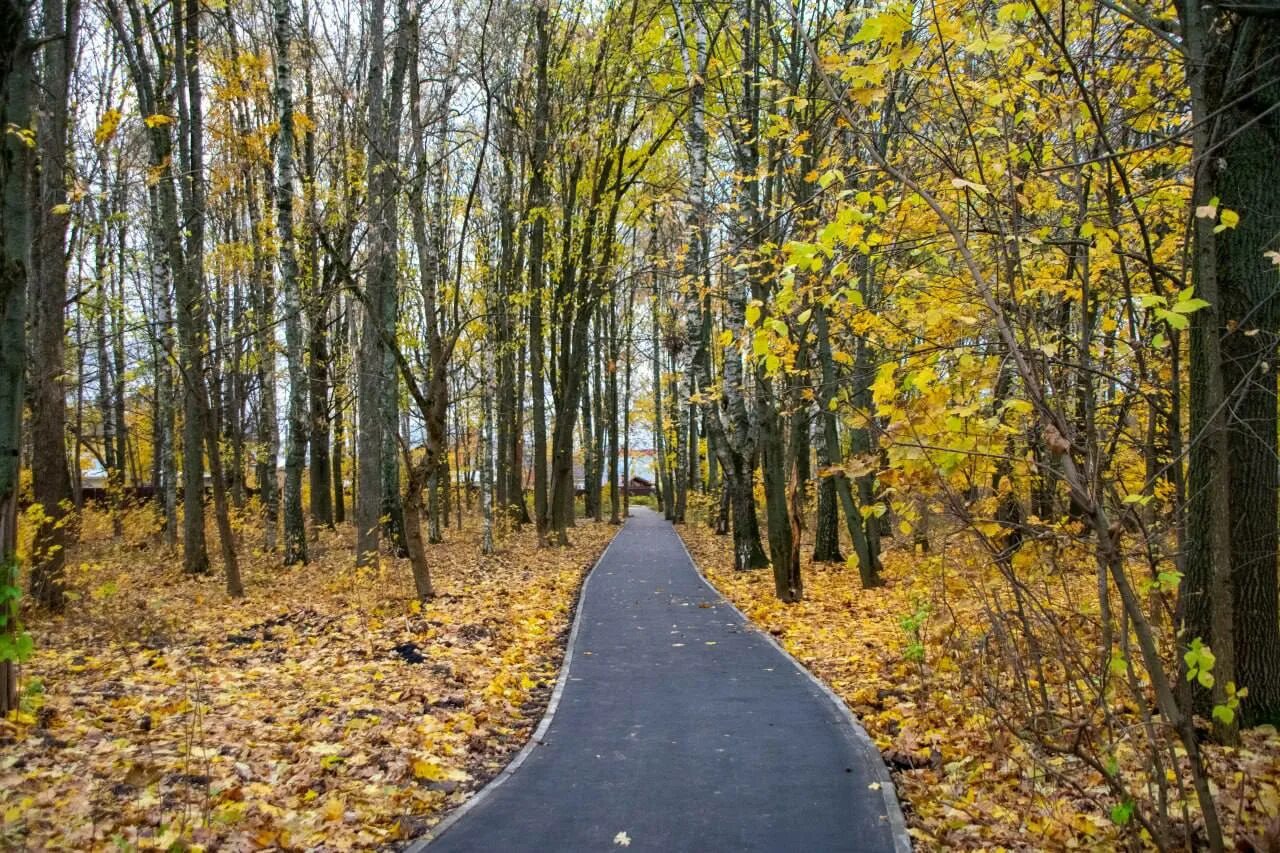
<point x="676" y="726"/>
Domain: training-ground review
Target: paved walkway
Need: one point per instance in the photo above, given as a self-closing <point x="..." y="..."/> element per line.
<point x="680" y="728"/>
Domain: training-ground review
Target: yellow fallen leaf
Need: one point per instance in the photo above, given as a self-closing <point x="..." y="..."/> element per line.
<point x="333" y="809"/>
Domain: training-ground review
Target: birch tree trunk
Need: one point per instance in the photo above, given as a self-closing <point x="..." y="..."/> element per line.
<point x="295" y="531"/>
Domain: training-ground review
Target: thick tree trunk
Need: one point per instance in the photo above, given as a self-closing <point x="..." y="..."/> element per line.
<point x="206" y="429"/>
<point x="774" y="466"/>
<point x="370" y="365"/>
<point x="51" y="479"/>
<point x="1248" y="286"/>
<point x="188" y="267"/>
<point x="17" y="80"/>
<point x="826" y="533"/>
<point x="1230" y="592"/>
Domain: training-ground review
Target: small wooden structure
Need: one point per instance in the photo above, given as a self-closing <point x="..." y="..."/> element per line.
<point x="638" y="486"/>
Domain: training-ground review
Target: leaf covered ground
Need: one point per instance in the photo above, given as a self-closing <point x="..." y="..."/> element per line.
<point x="965" y="780"/>
<point x="325" y="710"/>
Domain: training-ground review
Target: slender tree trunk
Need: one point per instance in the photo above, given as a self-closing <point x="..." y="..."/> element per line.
<point x="339" y="422"/>
<point x="268" y="428"/>
<point x="295" y="530"/>
<point x="486" y="465"/>
<point x="830" y="457"/>
<point x="167" y="427"/>
<point x="662" y="477"/>
<point x="319" y="290"/>
<point x="611" y="407"/>
<point x="537" y="236"/>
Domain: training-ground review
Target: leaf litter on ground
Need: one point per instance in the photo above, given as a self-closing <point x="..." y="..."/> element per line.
<point x="326" y="710"/>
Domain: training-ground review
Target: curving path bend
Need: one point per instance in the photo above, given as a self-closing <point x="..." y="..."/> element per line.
<point x="676" y="726"/>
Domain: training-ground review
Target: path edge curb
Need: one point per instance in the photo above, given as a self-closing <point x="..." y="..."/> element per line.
<point x="422" y="842"/>
<point x="854" y="730"/>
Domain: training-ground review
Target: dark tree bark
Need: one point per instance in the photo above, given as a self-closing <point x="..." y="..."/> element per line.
<point x="537" y="238"/>
<point x="830" y="456"/>
<point x="51" y="479"/>
<point x="206" y="431"/>
<point x="319" y="293"/>
<point x="380" y="279"/>
<point x="17" y="78"/>
<point x="1230" y="596"/>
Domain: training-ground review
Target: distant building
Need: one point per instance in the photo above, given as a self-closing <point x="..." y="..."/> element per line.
<point x="638" y="487"/>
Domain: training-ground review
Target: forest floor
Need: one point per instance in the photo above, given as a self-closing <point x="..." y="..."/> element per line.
<point x="327" y="709"/>
<point x="964" y="780"/>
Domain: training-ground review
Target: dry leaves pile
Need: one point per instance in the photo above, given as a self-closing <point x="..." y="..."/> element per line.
<point x="325" y="710"/>
<point x="965" y="781"/>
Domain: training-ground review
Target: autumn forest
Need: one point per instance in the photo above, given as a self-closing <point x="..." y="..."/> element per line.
<point x="338" y="339"/>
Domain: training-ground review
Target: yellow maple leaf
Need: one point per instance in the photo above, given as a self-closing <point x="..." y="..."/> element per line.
<point x="333" y="809"/>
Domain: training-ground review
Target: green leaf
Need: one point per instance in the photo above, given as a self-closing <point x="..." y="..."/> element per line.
<point x="1189" y="306"/>
<point x="17" y="649"/>
<point x="1174" y="319"/>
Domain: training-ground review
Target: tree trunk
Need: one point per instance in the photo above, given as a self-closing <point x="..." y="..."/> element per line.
<point x="193" y="300"/>
<point x="1230" y="593"/>
<point x="537" y="236"/>
<point x="319" y="292"/>
<point x="339" y="420"/>
<point x="17" y="78"/>
<point x="51" y="479"/>
<point x="830" y="456"/>
<point x="370" y="363"/>
<point x="295" y="530"/>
